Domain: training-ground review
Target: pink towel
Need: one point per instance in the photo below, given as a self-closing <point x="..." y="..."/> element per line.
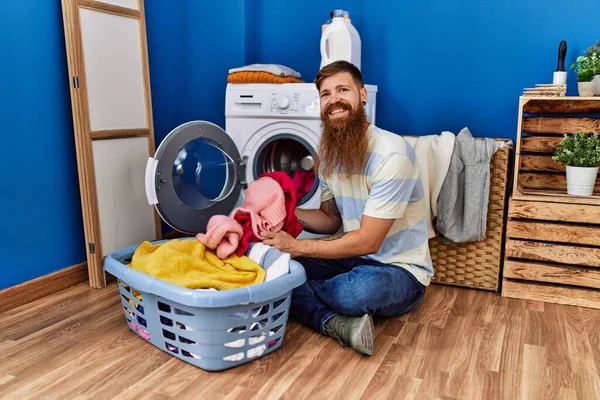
<point x="265" y="202"/>
<point x="290" y="222"/>
<point x="222" y="233"/>
<point x="268" y="206"/>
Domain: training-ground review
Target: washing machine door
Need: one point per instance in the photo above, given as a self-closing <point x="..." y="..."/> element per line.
<point x="196" y="173"/>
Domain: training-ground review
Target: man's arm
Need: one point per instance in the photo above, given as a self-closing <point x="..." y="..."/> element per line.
<point x="363" y="241"/>
<point x="326" y="220"/>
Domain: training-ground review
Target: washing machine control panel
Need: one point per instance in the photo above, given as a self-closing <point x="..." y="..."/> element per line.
<point x="293" y="103"/>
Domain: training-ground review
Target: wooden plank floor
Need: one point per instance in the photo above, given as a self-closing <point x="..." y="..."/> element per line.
<point x="458" y="344"/>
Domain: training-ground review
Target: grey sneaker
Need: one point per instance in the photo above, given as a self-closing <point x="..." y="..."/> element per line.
<point x="357" y="332"/>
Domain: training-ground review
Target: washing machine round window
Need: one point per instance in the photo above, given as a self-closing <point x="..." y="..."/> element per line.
<point x="200" y="173"/>
<point x="196" y="173"/>
<point x="294" y="156"/>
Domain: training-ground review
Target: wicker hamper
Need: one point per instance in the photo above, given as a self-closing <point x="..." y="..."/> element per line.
<point x="478" y="264"/>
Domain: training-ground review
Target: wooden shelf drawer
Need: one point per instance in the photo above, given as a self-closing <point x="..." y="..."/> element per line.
<point x="552" y="253"/>
<point x="551" y="293"/>
<point x="552" y="273"/>
<point x="549" y="211"/>
<point x="556" y="232"/>
<point x="541" y="124"/>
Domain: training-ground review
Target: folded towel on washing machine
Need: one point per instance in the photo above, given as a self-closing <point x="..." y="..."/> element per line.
<point x="275" y="69"/>
<point x="260" y="77"/>
<point x="223" y="234"/>
<point x="264" y="73"/>
<point x="189" y="263"/>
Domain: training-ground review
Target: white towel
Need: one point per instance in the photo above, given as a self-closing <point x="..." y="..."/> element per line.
<point x="433" y="153"/>
<point x="256" y="251"/>
<point x="275" y="262"/>
<point x="275" y="69"/>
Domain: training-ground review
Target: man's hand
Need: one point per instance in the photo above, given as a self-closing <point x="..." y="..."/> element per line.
<point x="282" y="241"/>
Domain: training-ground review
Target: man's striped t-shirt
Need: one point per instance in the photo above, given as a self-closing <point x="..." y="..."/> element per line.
<point x="389" y="188"/>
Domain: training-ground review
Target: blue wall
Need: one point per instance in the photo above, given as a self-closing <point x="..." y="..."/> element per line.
<point x="165" y="51"/>
<point x="42" y="229"/>
<point x="214" y="41"/>
<point x="191" y="46"/>
<point x="440" y="65"/>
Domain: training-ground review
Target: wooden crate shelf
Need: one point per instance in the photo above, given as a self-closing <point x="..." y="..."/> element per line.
<point x="542" y="122"/>
<point x="552" y="252"/>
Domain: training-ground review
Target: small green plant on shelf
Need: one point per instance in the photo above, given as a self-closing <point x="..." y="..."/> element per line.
<point x="586" y="67"/>
<point x="580" y="153"/>
<point x="579" y="149"/>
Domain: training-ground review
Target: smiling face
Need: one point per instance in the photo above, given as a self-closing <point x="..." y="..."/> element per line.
<point x="340" y="96"/>
<point x="344" y="143"/>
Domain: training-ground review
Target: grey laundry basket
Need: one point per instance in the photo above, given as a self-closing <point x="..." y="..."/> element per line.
<point x="213" y="330"/>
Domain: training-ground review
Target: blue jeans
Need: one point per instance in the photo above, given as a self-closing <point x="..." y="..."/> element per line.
<point x="353" y="287"/>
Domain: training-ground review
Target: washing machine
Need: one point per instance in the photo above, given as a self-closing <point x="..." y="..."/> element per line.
<point x="200" y="170"/>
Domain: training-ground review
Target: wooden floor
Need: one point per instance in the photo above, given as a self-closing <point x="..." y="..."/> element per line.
<point x="458" y="344"/>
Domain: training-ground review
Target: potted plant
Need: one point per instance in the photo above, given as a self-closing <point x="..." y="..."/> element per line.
<point x="580" y="153"/>
<point x="584" y="66"/>
<point x="593" y="54"/>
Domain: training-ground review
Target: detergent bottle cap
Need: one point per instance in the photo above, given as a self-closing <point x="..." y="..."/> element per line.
<point x="338" y="14"/>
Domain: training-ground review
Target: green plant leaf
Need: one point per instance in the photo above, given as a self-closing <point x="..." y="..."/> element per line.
<point x="580" y="149"/>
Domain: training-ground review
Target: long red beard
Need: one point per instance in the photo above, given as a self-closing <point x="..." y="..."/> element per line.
<point x="344" y="142"/>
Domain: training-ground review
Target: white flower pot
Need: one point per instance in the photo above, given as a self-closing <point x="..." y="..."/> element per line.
<point x="586" y="89"/>
<point x="581" y="180"/>
<point x="596" y="80"/>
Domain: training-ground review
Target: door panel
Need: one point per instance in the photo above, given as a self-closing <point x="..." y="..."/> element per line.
<point x="126" y="217"/>
<point x="133" y="4"/>
<point x="113" y="70"/>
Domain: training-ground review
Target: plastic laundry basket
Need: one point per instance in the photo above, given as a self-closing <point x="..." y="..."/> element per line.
<point x="213" y="330"/>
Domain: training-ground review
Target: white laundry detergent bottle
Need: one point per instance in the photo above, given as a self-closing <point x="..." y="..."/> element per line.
<point x="340" y="41"/>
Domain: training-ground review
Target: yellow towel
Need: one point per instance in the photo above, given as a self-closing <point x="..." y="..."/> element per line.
<point x="190" y="264"/>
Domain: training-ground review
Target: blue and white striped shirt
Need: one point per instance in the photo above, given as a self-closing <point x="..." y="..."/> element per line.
<point x="389" y="188"/>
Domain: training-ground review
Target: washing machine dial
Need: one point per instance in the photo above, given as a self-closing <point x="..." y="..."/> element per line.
<point x="283" y="102"/>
